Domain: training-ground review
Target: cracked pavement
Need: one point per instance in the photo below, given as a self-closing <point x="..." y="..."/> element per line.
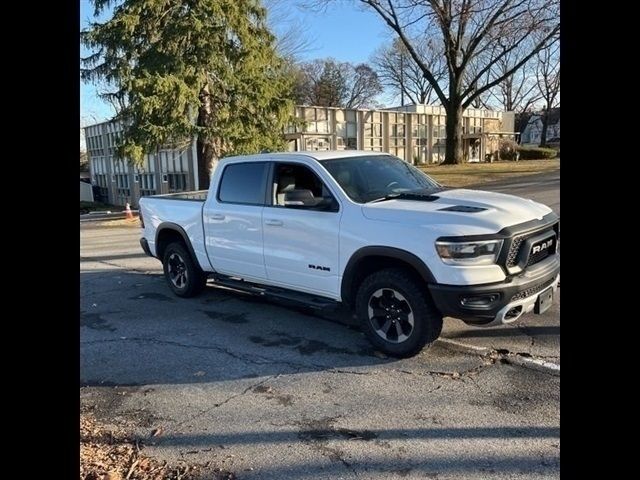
<point x="271" y="392"/>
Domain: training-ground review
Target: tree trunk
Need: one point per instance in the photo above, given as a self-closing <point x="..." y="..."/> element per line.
<point x="453" y="152"/>
<point x="205" y="147"/>
<point x="206" y="160"/>
<point x="545" y="125"/>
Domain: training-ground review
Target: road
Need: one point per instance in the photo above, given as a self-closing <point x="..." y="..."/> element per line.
<point x="541" y="187"/>
<point x="272" y="392"/>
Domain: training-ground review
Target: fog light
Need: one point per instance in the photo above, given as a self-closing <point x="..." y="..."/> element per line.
<point x="479" y="301"/>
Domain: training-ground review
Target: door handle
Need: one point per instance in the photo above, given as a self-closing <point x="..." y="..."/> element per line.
<point x="217" y="216"/>
<point x="274" y="223"/>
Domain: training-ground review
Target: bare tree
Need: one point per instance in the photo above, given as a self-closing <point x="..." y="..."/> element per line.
<point x="363" y="85"/>
<point x="327" y="83"/>
<point x="292" y="35"/>
<point x="516" y="92"/>
<point x="548" y="81"/>
<point x="399" y="71"/>
<point x="471" y="33"/>
<point x="482" y="100"/>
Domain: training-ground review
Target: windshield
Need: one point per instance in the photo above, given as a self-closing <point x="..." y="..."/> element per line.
<point x="375" y="177"/>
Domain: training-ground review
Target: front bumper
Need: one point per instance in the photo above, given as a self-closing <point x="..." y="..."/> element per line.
<point x="497" y="303"/>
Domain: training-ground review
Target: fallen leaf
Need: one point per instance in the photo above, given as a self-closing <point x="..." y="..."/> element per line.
<point x="112" y="475"/>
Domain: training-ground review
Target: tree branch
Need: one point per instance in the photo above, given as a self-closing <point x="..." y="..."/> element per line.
<point x="519" y="64"/>
<point x="391" y="20"/>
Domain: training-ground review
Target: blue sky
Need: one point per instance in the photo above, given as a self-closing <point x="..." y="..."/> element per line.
<point x="344" y="31"/>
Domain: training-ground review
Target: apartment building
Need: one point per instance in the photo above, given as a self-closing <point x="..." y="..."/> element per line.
<point x="414" y="133"/>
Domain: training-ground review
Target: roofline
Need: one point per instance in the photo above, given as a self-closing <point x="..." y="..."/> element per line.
<point x="381" y="109"/>
<point x="339" y="154"/>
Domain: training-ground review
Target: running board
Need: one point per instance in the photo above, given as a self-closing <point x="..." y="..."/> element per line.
<point x="306" y="299"/>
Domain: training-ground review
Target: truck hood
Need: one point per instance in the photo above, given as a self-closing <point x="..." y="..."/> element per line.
<point x="499" y="211"/>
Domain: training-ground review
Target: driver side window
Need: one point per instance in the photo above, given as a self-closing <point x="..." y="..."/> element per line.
<point x="296" y="186"/>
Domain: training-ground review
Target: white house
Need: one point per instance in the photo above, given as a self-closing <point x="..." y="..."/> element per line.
<point x="531" y="135"/>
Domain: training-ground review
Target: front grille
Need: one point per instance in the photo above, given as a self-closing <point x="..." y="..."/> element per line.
<point x="538" y="257"/>
<point x="515" y="249"/>
<point x="512" y="258"/>
<point x="532" y="290"/>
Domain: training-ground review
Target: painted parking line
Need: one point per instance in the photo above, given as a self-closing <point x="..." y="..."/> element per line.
<point x="515" y="358"/>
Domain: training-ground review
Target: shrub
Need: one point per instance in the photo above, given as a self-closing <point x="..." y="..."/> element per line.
<point x="536" y="153"/>
<point x="508" y="149"/>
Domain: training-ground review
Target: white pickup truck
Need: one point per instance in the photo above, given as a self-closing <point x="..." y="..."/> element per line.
<point x="364" y="229"/>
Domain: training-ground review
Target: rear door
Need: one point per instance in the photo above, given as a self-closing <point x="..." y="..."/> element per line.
<point x="301" y="224"/>
<point x="233" y="221"/>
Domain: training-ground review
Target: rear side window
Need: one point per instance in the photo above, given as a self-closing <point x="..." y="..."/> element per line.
<point x="243" y="183"/>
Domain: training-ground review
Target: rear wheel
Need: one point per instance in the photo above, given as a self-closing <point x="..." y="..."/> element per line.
<point x="396" y="313"/>
<point x="183" y="275"/>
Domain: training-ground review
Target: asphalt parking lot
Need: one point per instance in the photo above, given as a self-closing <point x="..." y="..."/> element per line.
<point x="271" y="392"/>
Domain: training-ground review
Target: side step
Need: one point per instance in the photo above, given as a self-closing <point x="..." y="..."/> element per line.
<point x="306" y="299"/>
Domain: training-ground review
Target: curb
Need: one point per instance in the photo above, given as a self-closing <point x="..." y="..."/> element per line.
<point x="535" y="364"/>
<point x="512" y="358"/>
<point x="109" y="216"/>
<point x="463" y="347"/>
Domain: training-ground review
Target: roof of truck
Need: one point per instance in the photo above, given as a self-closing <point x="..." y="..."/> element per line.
<point x="316" y="155"/>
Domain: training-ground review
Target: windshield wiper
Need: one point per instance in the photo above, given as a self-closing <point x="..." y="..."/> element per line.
<point x="425" y="197"/>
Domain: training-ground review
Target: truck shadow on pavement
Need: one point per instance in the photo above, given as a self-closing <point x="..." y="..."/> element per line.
<point x="134" y="331"/>
<point x="348" y="448"/>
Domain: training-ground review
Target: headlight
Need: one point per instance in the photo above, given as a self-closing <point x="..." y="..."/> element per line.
<point x="469" y="253"/>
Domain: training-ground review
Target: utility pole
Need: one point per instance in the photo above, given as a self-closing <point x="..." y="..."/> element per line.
<point x="401" y="78"/>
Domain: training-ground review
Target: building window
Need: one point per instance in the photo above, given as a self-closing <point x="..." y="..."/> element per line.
<point x="316" y="120"/>
<point x="174" y="167"/>
<point x="101" y="189"/>
<point x="147" y="184"/>
<point x="419" y="139"/>
<point x="439" y="129"/>
<point x="372" y="131"/>
<point x="317" y="143"/>
<point x="122" y="180"/>
<point x="475" y="125"/>
<point x="123" y="191"/>
<point x="397" y="133"/>
<point x="101" y="180"/>
<point x="346" y="130"/>
<point x="177" y="182"/>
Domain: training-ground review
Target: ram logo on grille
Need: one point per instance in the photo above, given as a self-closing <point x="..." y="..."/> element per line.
<point x="542" y="246"/>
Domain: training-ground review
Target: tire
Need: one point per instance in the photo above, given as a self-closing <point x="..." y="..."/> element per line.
<point x="184" y="276"/>
<point x="394" y="295"/>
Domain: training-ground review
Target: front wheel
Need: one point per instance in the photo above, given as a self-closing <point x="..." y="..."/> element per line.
<point x="396" y="313"/>
<point x="184" y="277"/>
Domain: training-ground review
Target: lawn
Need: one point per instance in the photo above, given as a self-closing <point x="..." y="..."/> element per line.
<point x="476" y="173"/>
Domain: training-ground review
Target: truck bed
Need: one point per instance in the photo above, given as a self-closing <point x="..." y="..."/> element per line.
<point x="195" y="196"/>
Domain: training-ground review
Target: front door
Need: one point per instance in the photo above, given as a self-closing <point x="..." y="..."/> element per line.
<point x="474" y="150"/>
<point x="301" y="228"/>
<point x="233" y="221"/>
